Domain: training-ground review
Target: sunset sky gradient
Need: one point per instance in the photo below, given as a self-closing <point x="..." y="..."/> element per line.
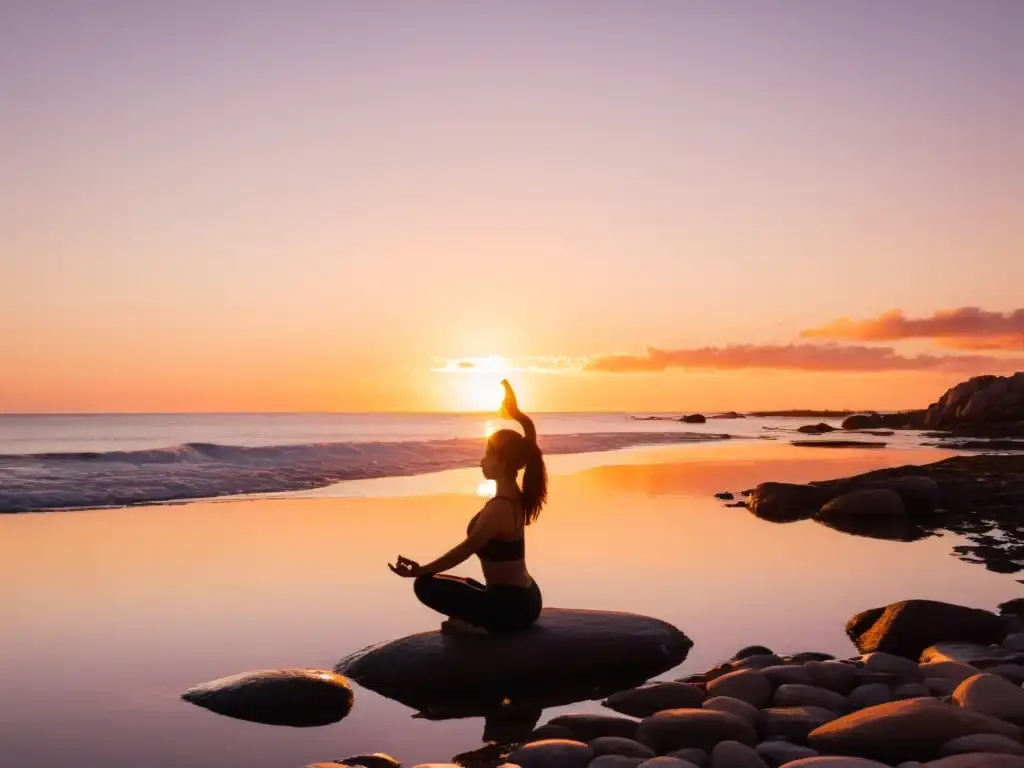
<point x="320" y="205"/>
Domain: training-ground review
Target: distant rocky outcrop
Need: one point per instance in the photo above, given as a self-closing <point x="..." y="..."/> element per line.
<point x="693" y="418"/>
<point x="988" y="406"/>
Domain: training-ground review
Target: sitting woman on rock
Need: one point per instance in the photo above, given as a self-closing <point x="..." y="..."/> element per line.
<point x="511" y="599"/>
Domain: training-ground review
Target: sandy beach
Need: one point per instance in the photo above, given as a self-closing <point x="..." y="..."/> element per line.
<point x="153" y="600"/>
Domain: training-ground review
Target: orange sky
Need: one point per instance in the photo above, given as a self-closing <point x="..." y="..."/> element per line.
<point x="243" y="208"/>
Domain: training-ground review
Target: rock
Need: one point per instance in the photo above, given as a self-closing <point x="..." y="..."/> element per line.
<point x="586" y="727"/>
<point x="834" y="675"/>
<point x="978" y="760"/>
<point x="778" y="753"/>
<point x="862" y="421"/>
<point x="1014" y="606"/>
<point x="550" y="731"/>
<point x="902" y="730"/>
<point x="939" y="686"/>
<point x="982" y="742"/>
<point x="740" y="709"/>
<point x="693" y="418"/>
<point x="728" y="415"/>
<point x="693" y="755"/>
<point x="759" y="661"/>
<point x="880" y="502"/>
<point x="920" y="495"/>
<point x="752" y="650"/>
<point x="794" y="723"/>
<point x="888" y="680"/>
<point x="911" y="691"/>
<point x="805" y="656"/>
<point x="906" y="669"/>
<point x="974" y="654"/>
<point x="654" y="697"/>
<point x="702" y="728"/>
<point x="552" y="753"/>
<point x="1012" y="672"/>
<point x="816" y="429"/>
<point x="1014" y="642"/>
<point x="616" y="745"/>
<point x="724" y="496"/>
<point x="563" y="645"/>
<point x="835" y="761"/>
<point x="908" y="627"/>
<point x="375" y="760"/>
<point x="870" y="695"/>
<point x="667" y="762"/>
<point x="910" y="764"/>
<point x="993" y="695"/>
<point x="297" y="697"/>
<point x="732" y="754"/>
<point x="838" y="443"/>
<point x="791" y="695"/>
<point x="787" y="673"/>
<point x="786" y="502"/>
<point x="954" y="671"/>
<point x="615" y="761"/>
<point x="748" y="685"/>
<point x="981" y="400"/>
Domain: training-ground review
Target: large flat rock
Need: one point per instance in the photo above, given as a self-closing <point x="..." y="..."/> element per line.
<point x="563" y="646"/>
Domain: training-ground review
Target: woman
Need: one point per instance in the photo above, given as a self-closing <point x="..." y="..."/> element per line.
<point x="510" y="600"/>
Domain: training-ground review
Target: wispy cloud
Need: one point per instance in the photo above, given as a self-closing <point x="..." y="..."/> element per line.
<point x="497" y="365"/>
<point x="962" y="328"/>
<point x="797" y="357"/>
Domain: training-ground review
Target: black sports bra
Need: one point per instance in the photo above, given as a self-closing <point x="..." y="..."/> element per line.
<point x="500" y="549"/>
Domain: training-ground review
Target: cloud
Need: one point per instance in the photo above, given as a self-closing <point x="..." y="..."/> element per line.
<point x="500" y="366"/>
<point x="797" y="357"/>
<point x="962" y="328"/>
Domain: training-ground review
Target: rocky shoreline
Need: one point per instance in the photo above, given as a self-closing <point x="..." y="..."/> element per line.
<point x="933" y="684"/>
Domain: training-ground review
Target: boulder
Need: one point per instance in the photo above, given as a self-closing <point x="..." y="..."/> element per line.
<point x="760" y="661"/>
<point x="752" y="650"/>
<point x="834" y="675"/>
<point x="693" y="418"/>
<point x="816" y="429"/>
<point x="868" y="502"/>
<point x="740" y="709"/>
<point x="375" y="760"/>
<point x="1014" y="643"/>
<point x="616" y="745"/>
<point x="787" y="673"/>
<point x="615" y="761"/>
<point x="732" y="754"/>
<point x="702" y="728"/>
<point x="982" y="742"/>
<point x="654" y="697"/>
<point x="786" y="502"/>
<point x="911" y="691"/>
<point x="778" y="753"/>
<point x="979" y="760"/>
<point x="870" y="695"/>
<point x="835" y="761"/>
<point x="906" y="669"/>
<point x="989" y="694"/>
<point x="698" y="757"/>
<point x="586" y="727"/>
<point x="979" y="401"/>
<point x="664" y="761"/>
<point x="804" y="656"/>
<point x="552" y="753"/>
<point x="954" y="671"/>
<point x="908" y="627"/>
<point x="903" y="730"/>
<point x="550" y="731"/>
<point x="562" y="646"/>
<point x="1012" y="672"/>
<point x="939" y="686"/>
<point x="297" y="697"/>
<point x="748" y="685"/>
<point x="920" y="495"/>
<point x="862" y="421"/>
<point x="972" y="653"/>
<point x="794" y="723"/>
<point x="811" y="696"/>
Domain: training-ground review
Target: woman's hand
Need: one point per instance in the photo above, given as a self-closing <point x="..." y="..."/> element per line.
<point x="406" y="568"/>
<point x="509" y="407"/>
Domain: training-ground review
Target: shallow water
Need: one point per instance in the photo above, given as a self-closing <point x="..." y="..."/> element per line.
<point x="109" y="615"/>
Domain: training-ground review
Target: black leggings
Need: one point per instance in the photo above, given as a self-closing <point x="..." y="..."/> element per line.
<point x="496" y="608"/>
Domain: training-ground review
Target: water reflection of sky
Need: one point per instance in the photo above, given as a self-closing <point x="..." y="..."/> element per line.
<point x="110" y="615"/>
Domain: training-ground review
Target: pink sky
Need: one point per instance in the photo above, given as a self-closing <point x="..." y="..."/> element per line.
<point x="279" y="206"/>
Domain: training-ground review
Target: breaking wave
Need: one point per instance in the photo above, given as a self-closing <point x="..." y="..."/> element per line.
<point x="42" y="481"/>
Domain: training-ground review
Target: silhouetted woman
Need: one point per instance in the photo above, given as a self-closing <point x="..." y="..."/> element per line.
<point x="510" y="600"/>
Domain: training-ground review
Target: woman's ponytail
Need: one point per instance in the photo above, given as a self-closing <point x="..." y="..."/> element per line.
<point x="535" y="473"/>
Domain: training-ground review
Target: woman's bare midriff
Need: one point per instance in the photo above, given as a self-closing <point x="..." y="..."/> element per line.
<point x="509" y="574"/>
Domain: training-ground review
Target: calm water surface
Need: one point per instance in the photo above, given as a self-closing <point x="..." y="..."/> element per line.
<point x="109" y="615"/>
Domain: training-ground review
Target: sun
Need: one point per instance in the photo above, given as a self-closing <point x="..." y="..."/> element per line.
<point x="479" y="392"/>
